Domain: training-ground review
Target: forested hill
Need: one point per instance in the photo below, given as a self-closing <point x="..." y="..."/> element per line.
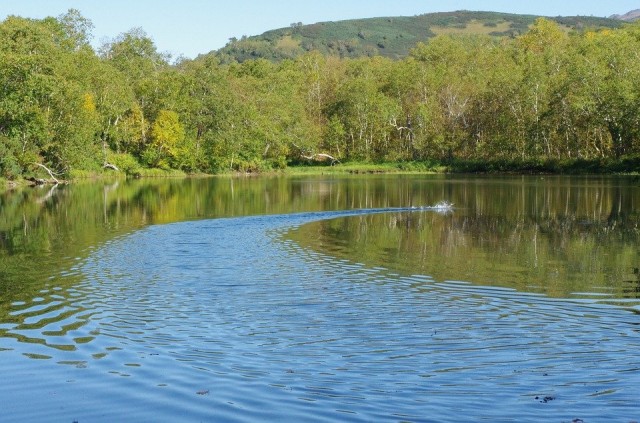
<point x="391" y="37"/>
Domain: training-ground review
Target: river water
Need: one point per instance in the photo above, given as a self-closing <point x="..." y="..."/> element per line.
<point x="322" y="299"/>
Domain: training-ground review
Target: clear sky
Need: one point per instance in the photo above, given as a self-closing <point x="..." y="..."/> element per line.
<point x="191" y="27"/>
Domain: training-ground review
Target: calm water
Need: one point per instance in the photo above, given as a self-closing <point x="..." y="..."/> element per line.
<point x="322" y="299"/>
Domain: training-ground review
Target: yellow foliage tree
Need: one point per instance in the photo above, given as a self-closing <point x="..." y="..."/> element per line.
<point x="167" y="135"/>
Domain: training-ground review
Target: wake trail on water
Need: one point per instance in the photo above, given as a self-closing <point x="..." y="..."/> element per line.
<point x="443" y="207"/>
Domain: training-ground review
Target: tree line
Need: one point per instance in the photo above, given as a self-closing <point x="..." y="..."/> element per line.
<point x="545" y="96"/>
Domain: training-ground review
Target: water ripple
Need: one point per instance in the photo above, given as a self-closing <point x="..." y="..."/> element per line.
<point x="227" y="320"/>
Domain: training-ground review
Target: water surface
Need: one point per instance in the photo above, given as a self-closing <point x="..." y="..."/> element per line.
<point x="321" y="299"/>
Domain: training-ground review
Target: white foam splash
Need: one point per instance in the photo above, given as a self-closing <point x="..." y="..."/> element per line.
<point x="443" y="205"/>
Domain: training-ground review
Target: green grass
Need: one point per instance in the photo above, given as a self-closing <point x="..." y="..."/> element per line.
<point x="138" y="173"/>
<point x="160" y="173"/>
<point x="366" y="168"/>
<point x="77" y="174"/>
<point x="625" y="165"/>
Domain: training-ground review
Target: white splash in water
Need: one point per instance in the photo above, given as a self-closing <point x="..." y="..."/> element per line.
<point x="441" y="207"/>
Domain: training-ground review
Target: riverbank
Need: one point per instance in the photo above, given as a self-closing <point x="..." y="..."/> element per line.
<point x="626" y="165"/>
<point x="364" y="168"/>
<point x="75" y="176"/>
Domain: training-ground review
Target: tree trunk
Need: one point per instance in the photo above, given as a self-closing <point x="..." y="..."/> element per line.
<point x="49" y="172"/>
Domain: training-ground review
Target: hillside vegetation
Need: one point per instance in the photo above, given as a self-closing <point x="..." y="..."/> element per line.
<point x="474" y="102"/>
<point x="391" y="37"/>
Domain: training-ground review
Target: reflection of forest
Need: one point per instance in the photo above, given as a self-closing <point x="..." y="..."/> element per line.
<point x="554" y="237"/>
<point x="631" y="287"/>
<point x="44" y="229"/>
<point x="558" y="256"/>
<point x="540" y="222"/>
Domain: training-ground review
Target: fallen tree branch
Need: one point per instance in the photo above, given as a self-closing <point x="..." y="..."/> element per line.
<point x="321" y="157"/>
<point x="49" y="171"/>
<point x="316" y="157"/>
<point x="110" y="166"/>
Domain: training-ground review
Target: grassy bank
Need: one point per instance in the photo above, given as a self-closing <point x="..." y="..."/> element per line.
<point x="82" y="175"/>
<point x="137" y="173"/>
<point x="624" y="165"/>
<point x="364" y="168"/>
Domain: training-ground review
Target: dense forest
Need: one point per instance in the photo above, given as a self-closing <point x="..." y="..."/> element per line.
<point x="546" y="96"/>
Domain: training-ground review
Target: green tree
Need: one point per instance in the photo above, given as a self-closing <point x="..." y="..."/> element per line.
<point x="607" y="93"/>
<point x="364" y="111"/>
<point x="76" y="29"/>
<point x="27" y="59"/>
<point x="541" y="52"/>
<point x="135" y="56"/>
<point x="453" y="77"/>
<point x="206" y="108"/>
<point x="167" y="137"/>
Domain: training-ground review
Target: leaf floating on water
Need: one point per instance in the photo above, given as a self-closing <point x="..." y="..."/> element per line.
<point x="203" y="392"/>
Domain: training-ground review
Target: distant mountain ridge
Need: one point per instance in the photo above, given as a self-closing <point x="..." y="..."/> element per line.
<point x="630" y="16"/>
<point x="391" y="37"/>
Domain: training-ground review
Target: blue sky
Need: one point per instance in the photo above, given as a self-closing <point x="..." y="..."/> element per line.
<point x="191" y="27"/>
